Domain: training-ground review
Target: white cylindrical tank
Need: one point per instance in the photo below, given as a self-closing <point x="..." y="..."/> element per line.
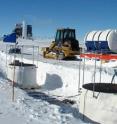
<point x="24" y="30"/>
<point x="24" y="75"/>
<point x="107" y="39"/>
<point x="99" y="107"/>
<point x="112" y="38"/>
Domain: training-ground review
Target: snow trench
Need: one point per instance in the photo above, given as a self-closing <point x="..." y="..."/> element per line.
<point x="33" y="107"/>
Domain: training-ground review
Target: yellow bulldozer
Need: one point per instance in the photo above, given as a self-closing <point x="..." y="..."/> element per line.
<point x="65" y="45"/>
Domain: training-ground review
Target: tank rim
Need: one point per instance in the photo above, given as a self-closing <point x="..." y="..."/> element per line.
<point x="101" y="87"/>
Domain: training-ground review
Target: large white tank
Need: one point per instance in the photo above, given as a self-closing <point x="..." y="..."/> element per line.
<point x="100" y="108"/>
<point x="106" y="37"/>
<point x="112" y="38"/>
<point x="24" y="75"/>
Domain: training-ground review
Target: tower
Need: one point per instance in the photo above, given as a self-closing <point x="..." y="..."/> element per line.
<point x="24" y="30"/>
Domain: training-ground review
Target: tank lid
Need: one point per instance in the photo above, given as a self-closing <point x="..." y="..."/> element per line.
<point x="18" y="63"/>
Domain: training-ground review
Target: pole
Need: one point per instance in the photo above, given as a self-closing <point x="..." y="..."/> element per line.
<point x="6" y="55"/>
<point x="22" y="64"/>
<point x="13" y="82"/>
<point x="83" y="71"/>
<point x="22" y="53"/>
<point x="94" y="76"/>
<point x="6" y="61"/>
<point x="79" y="74"/>
<point x="37" y="55"/>
<point x="100" y="69"/>
<point x="33" y="54"/>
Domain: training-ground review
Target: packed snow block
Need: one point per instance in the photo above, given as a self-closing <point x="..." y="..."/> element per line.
<point x="53" y="82"/>
<point x="10" y="38"/>
<point x="57" y="79"/>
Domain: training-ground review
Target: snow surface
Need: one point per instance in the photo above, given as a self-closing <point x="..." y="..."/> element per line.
<point x="33" y="106"/>
<point x="39" y="106"/>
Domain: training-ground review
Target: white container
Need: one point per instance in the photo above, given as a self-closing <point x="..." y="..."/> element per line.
<point x="110" y="36"/>
<point x="24" y="75"/>
<point x="99" y="107"/>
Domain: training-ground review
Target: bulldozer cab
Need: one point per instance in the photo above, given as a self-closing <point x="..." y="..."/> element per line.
<point x="64" y="34"/>
<point x="67" y="36"/>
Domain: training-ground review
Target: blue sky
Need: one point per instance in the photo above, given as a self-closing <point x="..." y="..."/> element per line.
<point x="48" y="15"/>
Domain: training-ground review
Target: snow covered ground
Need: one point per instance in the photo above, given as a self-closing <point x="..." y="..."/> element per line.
<point x="48" y="104"/>
<point x="34" y="107"/>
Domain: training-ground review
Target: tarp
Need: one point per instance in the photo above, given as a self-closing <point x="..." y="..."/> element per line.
<point x="11" y="38"/>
